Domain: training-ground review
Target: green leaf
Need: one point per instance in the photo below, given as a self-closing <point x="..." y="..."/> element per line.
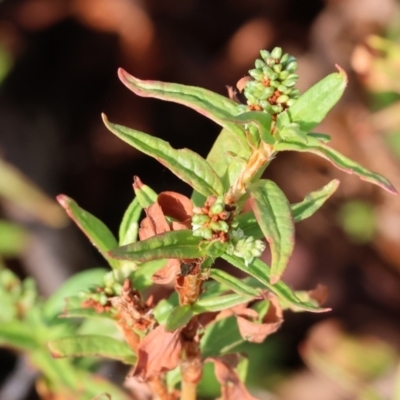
<point x="212" y="105"/>
<point x="13" y="239"/>
<point x="292" y="132"/>
<point x="129" y="227"/>
<point x="184" y="163"/>
<point x="142" y="277"/>
<point x="272" y="210"/>
<point x="179" y="317"/>
<point x="313" y="201"/>
<point x="313" y="105"/>
<point x="260" y="271"/>
<point x="80" y="281"/>
<point x="235" y="284"/>
<point x="218" y="303"/>
<point x="226" y="149"/>
<point x="261" y="119"/>
<point x="338" y="160"/>
<point x="175" y="244"/>
<point x="320" y="136"/>
<point x="73" y="309"/>
<point x="164" y="308"/>
<point x="220" y="337"/>
<point x="92" y="345"/>
<point x="145" y="194"/>
<point x="99" y="235"/>
<point x="17" y="335"/>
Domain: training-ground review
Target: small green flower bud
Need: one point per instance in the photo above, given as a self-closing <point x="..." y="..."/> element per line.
<point x="267" y="92"/>
<point x="200" y="219"/>
<point x="251" y="99"/>
<point x="259" y="64"/>
<point x="266" y="106"/>
<point x="281" y="88"/>
<point x="290" y="82"/>
<point x="256" y="74"/>
<point x="265" y="54"/>
<point x="103" y="299"/>
<point x="277" y="109"/>
<point x="274" y="76"/>
<point x="117" y="289"/>
<point x="109" y="279"/>
<point x="294" y="93"/>
<point x="284" y="59"/>
<point x="292" y="67"/>
<point x="277" y="68"/>
<point x="286" y="91"/>
<point x="282" y="99"/>
<point x="276" y="53"/>
<point x="283" y="75"/>
<point x="274" y="84"/>
<point x="290" y="102"/>
<point x="270" y="61"/>
<point x="109" y="291"/>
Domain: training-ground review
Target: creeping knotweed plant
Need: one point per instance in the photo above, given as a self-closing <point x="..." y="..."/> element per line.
<point x="180" y="239"/>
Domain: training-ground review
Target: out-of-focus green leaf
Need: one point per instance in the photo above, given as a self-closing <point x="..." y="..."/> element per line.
<point x="13" y="239"/>
<point x="73" y="309"/>
<point x="235" y="284"/>
<point x="19" y="190"/>
<point x="313" y="105"/>
<point x="179" y="317"/>
<point x="320" y="136"/>
<point x="338" y="160"/>
<point x="218" y="303"/>
<point x="212" y="105"/>
<point x="80" y="281"/>
<point x="18" y="335"/>
<point x="164" y="308"/>
<point x="313" y="201"/>
<point x="92" y="345"/>
<point x="128" y="229"/>
<point x="142" y="276"/>
<point x="220" y="337"/>
<point x="99" y="235"/>
<point x="272" y="210"/>
<point x="174" y="244"/>
<point x="260" y="271"/>
<point x="184" y="163"/>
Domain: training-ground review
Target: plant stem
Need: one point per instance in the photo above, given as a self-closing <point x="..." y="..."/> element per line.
<point x="188" y="390"/>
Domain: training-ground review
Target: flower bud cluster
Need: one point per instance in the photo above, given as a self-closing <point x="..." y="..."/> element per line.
<point x="213" y="220"/>
<point x="113" y="282"/>
<point x="245" y="247"/>
<point x="272" y="89"/>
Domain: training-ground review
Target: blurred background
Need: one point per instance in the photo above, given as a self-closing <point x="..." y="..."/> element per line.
<point x="58" y="63"/>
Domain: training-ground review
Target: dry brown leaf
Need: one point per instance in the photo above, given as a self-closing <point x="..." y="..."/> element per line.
<point x="231" y="386"/>
<point x="175" y="205"/>
<point x="158" y="352"/>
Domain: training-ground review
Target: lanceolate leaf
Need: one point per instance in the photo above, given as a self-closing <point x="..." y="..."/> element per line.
<point x="338" y="160"/>
<point x="184" y="163"/>
<point x="212" y="105"/>
<point x="272" y="210"/>
<point x="128" y="229"/>
<point x="313" y="201"/>
<point x="92" y="345"/>
<point x="175" y="244"/>
<point x="98" y="234"/>
<point x="260" y="271"/>
<point x="179" y="317"/>
<point x="313" y="105"/>
<point x="218" y="303"/>
<point x="145" y="194"/>
<point x="233" y="283"/>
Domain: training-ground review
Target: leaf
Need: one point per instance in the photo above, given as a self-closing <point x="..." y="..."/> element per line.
<point x="92" y="345"/>
<point x="261" y="119"/>
<point x="220" y="158"/>
<point x="212" y="105"/>
<point x="260" y="271"/>
<point x="99" y="235"/>
<point x="18" y="335"/>
<point x="175" y="244"/>
<point x="184" y="163"/>
<point x="272" y="210"/>
<point x="338" y="160"/>
<point x="74" y="309"/>
<point x="145" y="194"/>
<point x="313" y="201"/>
<point x="313" y="105"/>
<point x="80" y="281"/>
<point x="235" y="284"/>
<point x="218" y="303"/>
<point x="165" y="307"/>
<point x="320" y="136"/>
<point x="178" y="317"/>
<point x="129" y="227"/>
<point x="220" y="337"/>
<point x="13" y="239"/>
<point x="142" y="277"/>
<point x="19" y="190"/>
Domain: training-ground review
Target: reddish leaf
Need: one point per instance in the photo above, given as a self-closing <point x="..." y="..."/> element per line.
<point x="168" y="273"/>
<point x="158" y="352"/>
<point x="319" y="294"/>
<point x="231" y="386"/>
<point x="175" y="205"/>
<point x="154" y="224"/>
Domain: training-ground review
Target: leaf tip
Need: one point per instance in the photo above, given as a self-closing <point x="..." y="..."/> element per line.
<point x="343" y="73"/>
<point x="63" y="200"/>
<point x="54" y="353"/>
